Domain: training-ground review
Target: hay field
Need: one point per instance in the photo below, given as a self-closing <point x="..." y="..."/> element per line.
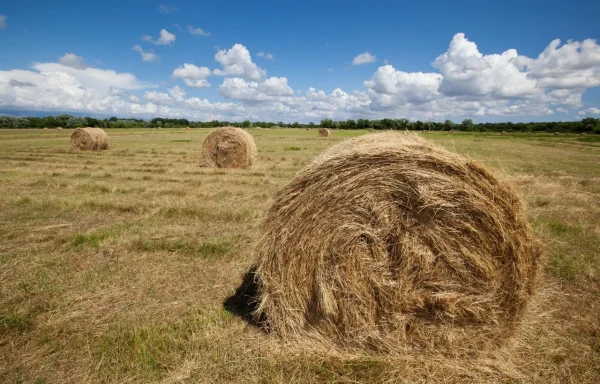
<point x="114" y="265"/>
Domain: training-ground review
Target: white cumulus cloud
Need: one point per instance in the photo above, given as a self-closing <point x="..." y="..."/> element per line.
<point x="237" y="62"/>
<point x="165" y="38"/>
<point x="364" y="58"/>
<point x="468" y="72"/>
<point x="146" y="56"/>
<point x="402" y="87"/>
<point x="72" y="60"/>
<point x="268" y="90"/>
<point x="197" y="31"/>
<point x="192" y="75"/>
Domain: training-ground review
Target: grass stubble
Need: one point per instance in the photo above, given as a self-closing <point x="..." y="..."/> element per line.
<point x="114" y="265"/>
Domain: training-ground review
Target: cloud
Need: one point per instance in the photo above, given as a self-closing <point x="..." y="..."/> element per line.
<point x="177" y="93"/>
<point x="364" y="58"/>
<point x="57" y="87"/>
<point x="462" y="83"/>
<point x="572" y="65"/>
<point x="3" y="21"/>
<point x="270" y="89"/>
<point x="590" y="111"/>
<point x="72" y="60"/>
<point x="330" y="70"/>
<point x="237" y="62"/>
<point x="166" y="38"/>
<point x="17" y="83"/>
<point x="192" y="75"/>
<point x="166" y="9"/>
<point x="400" y="87"/>
<point x="197" y="31"/>
<point x="265" y="55"/>
<point x="467" y="72"/>
<point x="146" y="56"/>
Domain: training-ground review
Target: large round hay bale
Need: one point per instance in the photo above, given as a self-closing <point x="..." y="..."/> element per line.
<point x="228" y="147"/>
<point x="324" y="132"/>
<point x="389" y="242"/>
<point x="59" y="128"/>
<point x="89" y="139"/>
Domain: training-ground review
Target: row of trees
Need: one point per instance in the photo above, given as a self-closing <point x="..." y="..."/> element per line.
<point x="589" y="124"/>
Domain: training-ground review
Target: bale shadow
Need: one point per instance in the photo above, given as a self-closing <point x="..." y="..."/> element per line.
<point x="244" y="302"/>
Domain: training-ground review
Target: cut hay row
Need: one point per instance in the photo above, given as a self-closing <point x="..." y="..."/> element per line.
<point x="228" y="147"/>
<point x="388" y="242"/>
<point x="324" y="132"/>
<point x="89" y="139"/>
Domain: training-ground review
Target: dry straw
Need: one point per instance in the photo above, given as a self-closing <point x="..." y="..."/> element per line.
<point x="390" y="243"/>
<point x="324" y="132"/>
<point x="228" y="147"/>
<point x="58" y="127"/>
<point x="89" y="139"/>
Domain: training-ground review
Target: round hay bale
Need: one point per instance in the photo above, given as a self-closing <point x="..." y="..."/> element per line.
<point x="390" y="243"/>
<point x="583" y="134"/>
<point x="504" y="132"/>
<point x="324" y="132"/>
<point x="228" y="147"/>
<point x="556" y="133"/>
<point x="44" y="129"/>
<point x="308" y="129"/>
<point x="187" y="128"/>
<point x="58" y="127"/>
<point x="89" y="139"/>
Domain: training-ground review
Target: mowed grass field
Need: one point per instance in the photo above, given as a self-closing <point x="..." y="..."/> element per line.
<point x="114" y="265"/>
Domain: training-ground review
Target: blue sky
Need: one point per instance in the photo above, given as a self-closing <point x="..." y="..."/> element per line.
<point x="433" y="60"/>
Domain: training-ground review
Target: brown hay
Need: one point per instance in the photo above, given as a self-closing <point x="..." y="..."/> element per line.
<point x="44" y="129"/>
<point x="390" y="243"/>
<point x="89" y="139"/>
<point x="556" y="133"/>
<point x="228" y="147"/>
<point x="504" y="132"/>
<point x="187" y="128"/>
<point x="583" y="134"/>
<point x="58" y="127"/>
<point x="324" y="132"/>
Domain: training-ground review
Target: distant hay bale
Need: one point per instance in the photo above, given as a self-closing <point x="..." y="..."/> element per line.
<point x="504" y="132"/>
<point x="58" y="127"/>
<point x="450" y="131"/>
<point x="228" y="147"/>
<point x="583" y="134"/>
<point x="388" y="242"/>
<point x="44" y="129"/>
<point x="308" y="129"/>
<point x="556" y="133"/>
<point x="89" y="139"/>
<point x="187" y="128"/>
<point x="324" y="132"/>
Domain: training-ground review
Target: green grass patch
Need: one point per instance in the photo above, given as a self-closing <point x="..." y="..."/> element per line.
<point x="14" y="322"/>
<point x="292" y="148"/>
<point x="179" y="141"/>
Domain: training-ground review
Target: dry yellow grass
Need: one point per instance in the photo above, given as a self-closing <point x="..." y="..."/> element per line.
<point x="114" y="265"/>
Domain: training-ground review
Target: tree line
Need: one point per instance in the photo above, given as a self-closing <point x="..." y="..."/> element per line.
<point x="589" y="124"/>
